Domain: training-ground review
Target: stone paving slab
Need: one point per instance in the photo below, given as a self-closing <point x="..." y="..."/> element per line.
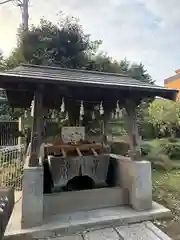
<point x="141" y="231"/>
<point x="102" y="234"/>
<point x="72" y="237"/>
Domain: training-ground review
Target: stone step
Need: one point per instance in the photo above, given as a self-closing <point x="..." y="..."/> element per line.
<point x="68" y="224"/>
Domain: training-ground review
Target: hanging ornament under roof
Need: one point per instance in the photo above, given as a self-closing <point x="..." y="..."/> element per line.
<point x="32" y="108"/>
<point x="25" y="114"/>
<point x="53" y="114"/>
<point x="120" y="114"/>
<point x="81" y="110"/>
<point x="101" y="109"/>
<point x="67" y="116"/>
<point x="117" y="107"/>
<point x="93" y="115"/>
<point x="116" y="115"/>
<point x="62" y="106"/>
<point x="96" y="107"/>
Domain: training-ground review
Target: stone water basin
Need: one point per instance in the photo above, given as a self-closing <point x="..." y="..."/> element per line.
<point x="81" y="161"/>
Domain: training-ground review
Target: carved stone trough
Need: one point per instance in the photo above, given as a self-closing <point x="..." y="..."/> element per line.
<point x="86" y="160"/>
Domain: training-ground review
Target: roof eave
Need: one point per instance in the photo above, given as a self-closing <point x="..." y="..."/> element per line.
<point x="156" y="91"/>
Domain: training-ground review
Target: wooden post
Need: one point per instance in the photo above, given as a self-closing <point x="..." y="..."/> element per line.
<point x="36" y="135"/>
<point x="105" y="129"/>
<point x="20" y="128"/>
<point x="135" y="151"/>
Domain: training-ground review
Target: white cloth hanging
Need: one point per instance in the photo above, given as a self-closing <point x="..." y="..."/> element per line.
<point x="101" y="110"/>
<point x="32" y="108"/>
<point x="117" y="107"/>
<point x="82" y="109"/>
<point x="93" y="115"/>
<point x="67" y="116"/>
<point x="62" y="106"/>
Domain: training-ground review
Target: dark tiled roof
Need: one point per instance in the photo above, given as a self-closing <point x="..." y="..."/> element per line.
<point x="79" y="76"/>
<point x="31" y="73"/>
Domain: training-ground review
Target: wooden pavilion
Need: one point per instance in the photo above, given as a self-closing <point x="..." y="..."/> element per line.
<point x="47" y="86"/>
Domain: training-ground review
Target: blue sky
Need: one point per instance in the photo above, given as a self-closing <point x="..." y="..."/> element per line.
<point x="140" y="30"/>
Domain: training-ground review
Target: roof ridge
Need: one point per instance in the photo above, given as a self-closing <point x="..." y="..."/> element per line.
<point x="75" y="70"/>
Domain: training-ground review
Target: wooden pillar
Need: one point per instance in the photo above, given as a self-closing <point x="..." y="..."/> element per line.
<point x="105" y="129"/>
<point x="135" y="150"/>
<point x="36" y="134"/>
<point x="20" y="128"/>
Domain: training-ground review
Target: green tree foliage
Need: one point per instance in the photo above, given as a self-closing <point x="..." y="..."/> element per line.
<point x="2" y="64"/>
<point x="63" y="44"/>
<point x="14" y="59"/>
<point x="165" y="115"/>
<point x="103" y="63"/>
<point x="138" y="72"/>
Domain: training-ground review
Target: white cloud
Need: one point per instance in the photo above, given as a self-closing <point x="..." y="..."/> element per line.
<point x="140" y="30"/>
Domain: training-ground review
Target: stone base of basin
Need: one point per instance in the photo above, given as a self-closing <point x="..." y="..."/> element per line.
<point x="84" y="221"/>
<point x="68" y="202"/>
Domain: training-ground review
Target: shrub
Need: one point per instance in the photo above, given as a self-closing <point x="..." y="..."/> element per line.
<point x="173" y="140"/>
<point x="159" y="160"/>
<point x="171" y="149"/>
<point x="147" y="130"/>
<point x="145" y="149"/>
<point x="120" y="148"/>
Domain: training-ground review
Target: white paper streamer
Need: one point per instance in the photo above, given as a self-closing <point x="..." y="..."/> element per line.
<point x="82" y="109"/>
<point x="53" y="114"/>
<point x="117" y="107"/>
<point x="101" y="110"/>
<point x="116" y="115"/>
<point x="93" y="115"/>
<point x="67" y="116"/>
<point x="32" y="108"/>
<point x="25" y="114"/>
<point x="62" y="106"/>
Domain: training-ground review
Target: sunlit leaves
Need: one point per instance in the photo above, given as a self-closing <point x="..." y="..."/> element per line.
<point x="165" y="115"/>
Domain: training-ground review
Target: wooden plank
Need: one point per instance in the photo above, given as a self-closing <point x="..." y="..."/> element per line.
<point x="94" y="152"/>
<point x="71" y="148"/>
<point x="79" y="152"/>
<point x="63" y="152"/>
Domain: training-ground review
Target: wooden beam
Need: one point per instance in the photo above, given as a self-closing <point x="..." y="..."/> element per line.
<point x="94" y="152"/>
<point x="63" y="152"/>
<point x="78" y="152"/>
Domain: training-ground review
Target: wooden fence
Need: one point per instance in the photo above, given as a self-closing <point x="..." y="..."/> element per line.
<point x="12" y="166"/>
<point x="8" y="133"/>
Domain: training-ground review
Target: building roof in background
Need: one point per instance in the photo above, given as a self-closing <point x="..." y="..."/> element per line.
<point x="173" y="78"/>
